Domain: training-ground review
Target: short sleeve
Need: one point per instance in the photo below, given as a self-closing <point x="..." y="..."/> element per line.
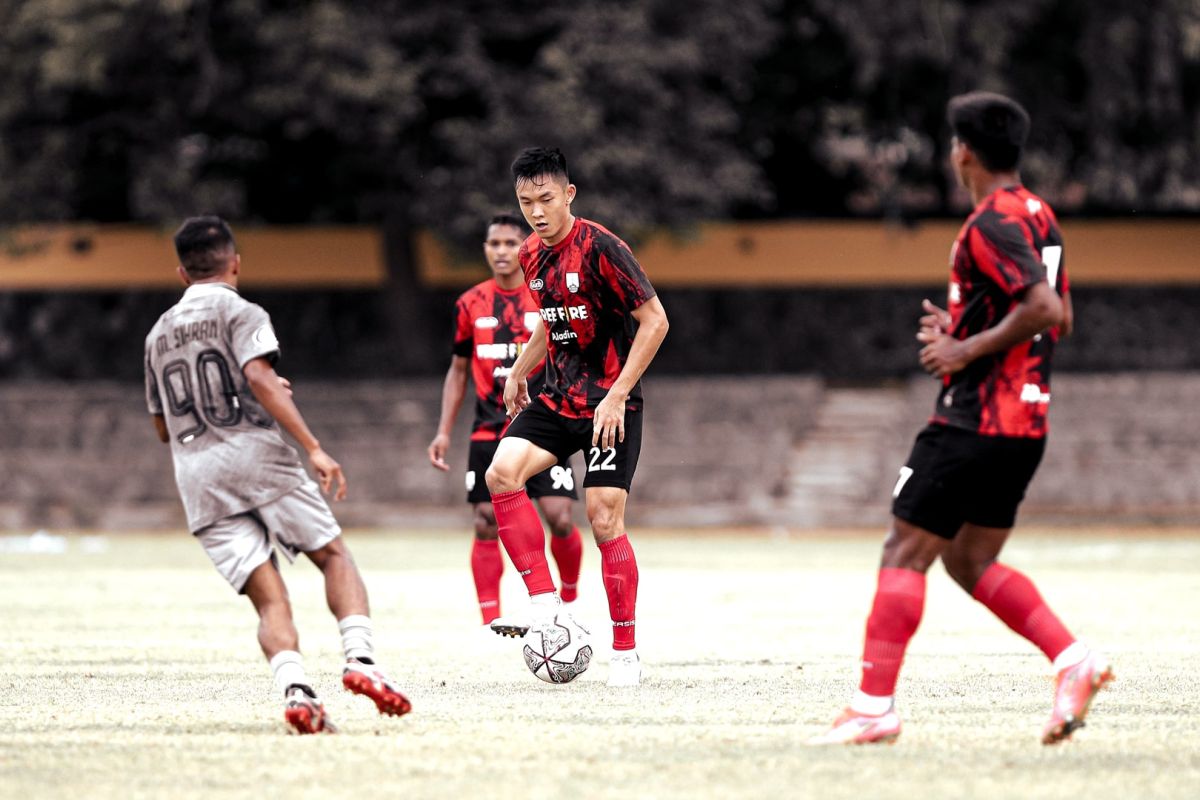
<point x="625" y="275"/>
<point x="252" y="336"/>
<point x="1003" y="250"/>
<point x="153" y="399"/>
<point x="464" y="329"/>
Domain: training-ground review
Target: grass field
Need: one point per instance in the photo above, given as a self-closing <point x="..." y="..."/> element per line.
<point x="129" y="669"/>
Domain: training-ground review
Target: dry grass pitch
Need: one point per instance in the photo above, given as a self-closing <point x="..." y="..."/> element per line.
<point x="134" y="672"/>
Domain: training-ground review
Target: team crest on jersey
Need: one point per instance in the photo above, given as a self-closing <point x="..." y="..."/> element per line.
<point x="265" y="338"/>
<point x="536" y="284"/>
<point x="572" y="281"/>
<point x="531" y="319"/>
<point x="487" y="322"/>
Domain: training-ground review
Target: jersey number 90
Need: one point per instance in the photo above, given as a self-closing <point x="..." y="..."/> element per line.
<point x="219" y="404"/>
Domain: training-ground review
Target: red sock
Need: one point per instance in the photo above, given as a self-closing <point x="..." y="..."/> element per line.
<point x="620" y="572"/>
<point x="523" y="538"/>
<point x="568" y="553"/>
<point x="1015" y="600"/>
<point x="487" y="565"/>
<point x="895" y="615"/>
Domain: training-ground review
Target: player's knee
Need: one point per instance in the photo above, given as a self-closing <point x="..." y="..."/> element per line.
<point x="485" y="523"/>
<point x="964" y="570"/>
<point x="606" y="523"/>
<point x="502" y="478"/>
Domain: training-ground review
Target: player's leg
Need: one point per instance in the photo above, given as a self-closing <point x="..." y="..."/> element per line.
<point x="927" y="514"/>
<point x="607" y="482"/>
<point x="280" y="643"/>
<point x="518" y="524"/>
<point x="240" y="549"/>
<point x="554" y="492"/>
<point x="487" y="564"/>
<point x="566" y="545"/>
<point x="300" y="521"/>
<point x="972" y="561"/>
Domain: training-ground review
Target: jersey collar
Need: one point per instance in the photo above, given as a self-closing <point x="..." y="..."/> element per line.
<point x="208" y="289"/>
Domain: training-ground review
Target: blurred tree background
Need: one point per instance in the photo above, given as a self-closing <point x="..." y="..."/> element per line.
<point x="406" y="114"/>
<point x="373" y="110"/>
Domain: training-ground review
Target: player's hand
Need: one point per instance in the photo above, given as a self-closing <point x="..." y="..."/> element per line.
<point x="936" y="319"/>
<point x="942" y="354"/>
<point x="608" y="423"/>
<point x="437" y="452"/>
<point x="516" y="395"/>
<point x="329" y="473"/>
<point x="285" y="384"/>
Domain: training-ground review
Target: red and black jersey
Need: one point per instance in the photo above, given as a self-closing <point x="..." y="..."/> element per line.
<point x="1008" y="244"/>
<point x="586" y="287"/>
<point x="491" y="326"/>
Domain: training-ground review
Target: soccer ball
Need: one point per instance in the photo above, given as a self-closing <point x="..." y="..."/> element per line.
<point x="557" y="651"/>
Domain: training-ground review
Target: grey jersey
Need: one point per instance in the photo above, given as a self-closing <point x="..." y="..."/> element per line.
<point x="229" y="454"/>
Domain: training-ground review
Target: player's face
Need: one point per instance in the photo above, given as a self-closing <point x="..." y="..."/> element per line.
<point x="500" y="249"/>
<point x="546" y="204"/>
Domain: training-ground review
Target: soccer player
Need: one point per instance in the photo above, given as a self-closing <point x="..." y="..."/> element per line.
<point x="599" y="326"/>
<point x="493" y="321"/>
<point x="957" y="495"/>
<point x="215" y="397"/>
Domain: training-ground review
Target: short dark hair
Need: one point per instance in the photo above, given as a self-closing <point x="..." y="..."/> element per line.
<point x="540" y="162"/>
<point x="506" y="219"/>
<point x="204" y="246"/>
<point x="992" y="125"/>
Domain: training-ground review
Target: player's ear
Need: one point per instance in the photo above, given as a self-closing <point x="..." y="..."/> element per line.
<point x="570" y="193"/>
<point x="236" y="266"/>
<point x="183" y="276"/>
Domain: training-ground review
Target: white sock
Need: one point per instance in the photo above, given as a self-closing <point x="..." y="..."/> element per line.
<point x="871" y="705"/>
<point x="288" y="668"/>
<point x="356" y="637"/>
<point x="1075" y="652"/>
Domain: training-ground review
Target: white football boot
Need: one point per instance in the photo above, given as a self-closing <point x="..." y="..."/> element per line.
<point x="541" y="610"/>
<point x="624" y="668"/>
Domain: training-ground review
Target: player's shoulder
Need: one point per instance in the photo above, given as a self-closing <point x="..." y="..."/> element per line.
<point x="1020" y="203"/>
<point x="479" y="293"/>
<point x="600" y="239"/>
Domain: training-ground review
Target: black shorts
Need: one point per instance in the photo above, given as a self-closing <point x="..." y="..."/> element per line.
<point x="565" y="436"/>
<point x="954" y="476"/>
<point x="558" y="481"/>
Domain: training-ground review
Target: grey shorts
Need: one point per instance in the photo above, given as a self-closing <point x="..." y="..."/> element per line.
<point x="298" y="522"/>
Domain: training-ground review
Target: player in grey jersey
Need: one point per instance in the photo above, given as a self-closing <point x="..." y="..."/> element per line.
<point x="215" y="397"/>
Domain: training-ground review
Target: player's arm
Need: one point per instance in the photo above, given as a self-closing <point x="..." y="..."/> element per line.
<point x="276" y="397"/>
<point x="1038" y="309"/>
<point x="608" y="423"/>
<point x="516" y="388"/>
<point x="454" y="389"/>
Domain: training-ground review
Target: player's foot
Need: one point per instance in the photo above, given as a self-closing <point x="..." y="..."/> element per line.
<point x="624" y="668"/>
<point x="304" y="712"/>
<point x="369" y="681"/>
<point x="853" y="727"/>
<point x="516" y="624"/>
<point x="1074" y="689"/>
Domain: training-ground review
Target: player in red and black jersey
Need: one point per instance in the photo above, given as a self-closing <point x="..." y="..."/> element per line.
<point x="958" y="493"/>
<point x="493" y="321"/>
<point x="600" y="325"/>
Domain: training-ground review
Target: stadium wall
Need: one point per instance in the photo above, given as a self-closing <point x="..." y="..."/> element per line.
<point x="791" y="452"/>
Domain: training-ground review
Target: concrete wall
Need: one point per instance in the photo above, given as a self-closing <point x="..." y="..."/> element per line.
<point x="789" y="451"/>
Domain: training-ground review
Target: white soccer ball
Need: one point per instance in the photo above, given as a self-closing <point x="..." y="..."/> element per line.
<point x="557" y="651"/>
